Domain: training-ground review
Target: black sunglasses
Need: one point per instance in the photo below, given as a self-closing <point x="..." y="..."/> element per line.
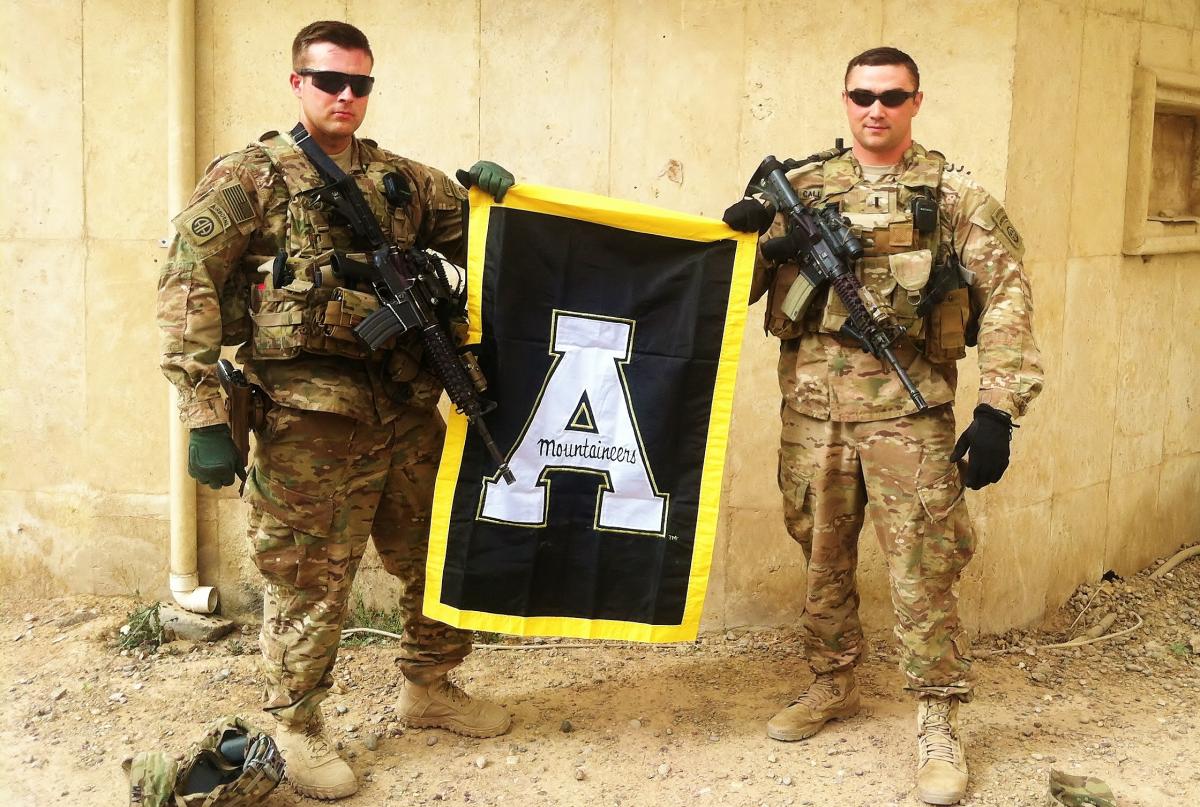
<point x="889" y="98"/>
<point x="333" y="82"/>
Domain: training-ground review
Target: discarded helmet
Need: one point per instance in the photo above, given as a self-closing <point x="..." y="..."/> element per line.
<point x="232" y="765"/>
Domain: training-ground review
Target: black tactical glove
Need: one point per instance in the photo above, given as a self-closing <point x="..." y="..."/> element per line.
<point x="489" y="177"/>
<point x="748" y="216"/>
<point x="212" y="456"/>
<point x="987" y="439"/>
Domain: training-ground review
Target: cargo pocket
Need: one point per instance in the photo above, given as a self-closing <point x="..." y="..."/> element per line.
<point x="948" y="540"/>
<point x="942" y="495"/>
<point x="793" y="482"/>
<point x="289" y="541"/>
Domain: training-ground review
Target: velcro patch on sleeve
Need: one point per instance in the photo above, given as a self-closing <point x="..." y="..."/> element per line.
<point x="236" y="202"/>
<point x="453" y="189"/>
<point x="1006" y="231"/>
<point x="991" y="216"/>
<point x="202" y="222"/>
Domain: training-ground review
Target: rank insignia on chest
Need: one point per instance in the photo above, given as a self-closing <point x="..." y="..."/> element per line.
<point x="878" y="202"/>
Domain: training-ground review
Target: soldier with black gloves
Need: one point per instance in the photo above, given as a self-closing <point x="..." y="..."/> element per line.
<point x="942" y="259"/>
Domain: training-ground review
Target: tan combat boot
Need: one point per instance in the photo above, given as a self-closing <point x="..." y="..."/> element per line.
<point x="443" y="705"/>
<point x="312" y="764"/>
<point x="829" y="697"/>
<point x="942" y="762"/>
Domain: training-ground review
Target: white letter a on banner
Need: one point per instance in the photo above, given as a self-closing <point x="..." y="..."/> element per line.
<point x="582" y="422"/>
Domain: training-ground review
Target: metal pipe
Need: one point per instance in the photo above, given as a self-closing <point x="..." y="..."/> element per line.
<point x="181" y="178"/>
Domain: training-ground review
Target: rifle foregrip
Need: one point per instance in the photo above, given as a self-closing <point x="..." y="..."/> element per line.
<point x="461" y="390"/>
<point x="450" y="370"/>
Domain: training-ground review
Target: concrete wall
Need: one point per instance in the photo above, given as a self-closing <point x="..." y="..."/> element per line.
<point x="671" y="102"/>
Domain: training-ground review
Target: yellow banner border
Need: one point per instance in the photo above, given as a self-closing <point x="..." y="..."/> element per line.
<point x="635" y="217"/>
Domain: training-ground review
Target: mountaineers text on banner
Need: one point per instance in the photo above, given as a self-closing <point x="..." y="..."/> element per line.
<point x="609" y="334"/>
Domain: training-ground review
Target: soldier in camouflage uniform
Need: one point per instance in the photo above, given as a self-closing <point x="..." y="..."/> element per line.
<point x="852" y="439"/>
<point x="351" y="442"/>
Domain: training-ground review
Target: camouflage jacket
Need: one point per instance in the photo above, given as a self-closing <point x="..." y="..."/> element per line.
<point x="215" y="289"/>
<point x="828" y="377"/>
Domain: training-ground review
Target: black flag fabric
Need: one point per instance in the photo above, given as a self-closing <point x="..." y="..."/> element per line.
<point x="609" y="333"/>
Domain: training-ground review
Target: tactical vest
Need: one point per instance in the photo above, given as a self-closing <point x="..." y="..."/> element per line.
<point x="312" y="311"/>
<point x="897" y="259"/>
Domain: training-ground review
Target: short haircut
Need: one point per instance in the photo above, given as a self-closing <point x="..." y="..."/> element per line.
<point x="881" y="56"/>
<point x="342" y="34"/>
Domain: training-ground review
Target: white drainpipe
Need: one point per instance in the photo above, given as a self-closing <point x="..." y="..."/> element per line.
<point x="181" y="178"/>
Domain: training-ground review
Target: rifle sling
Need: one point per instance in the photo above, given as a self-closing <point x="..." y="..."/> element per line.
<point x="332" y="174"/>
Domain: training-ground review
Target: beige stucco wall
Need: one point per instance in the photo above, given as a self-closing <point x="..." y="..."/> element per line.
<point x="665" y="101"/>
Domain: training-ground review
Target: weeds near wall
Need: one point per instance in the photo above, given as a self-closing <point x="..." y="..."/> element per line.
<point x="142" y="629"/>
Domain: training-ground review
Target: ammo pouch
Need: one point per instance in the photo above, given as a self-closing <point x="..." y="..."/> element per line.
<point x="777" y="323"/>
<point x="311" y="313"/>
<point x="894" y="281"/>
<point x="946" y="331"/>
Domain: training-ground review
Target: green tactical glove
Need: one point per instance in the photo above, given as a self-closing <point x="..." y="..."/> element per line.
<point x="212" y="456"/>
<point x="489" y="177"/>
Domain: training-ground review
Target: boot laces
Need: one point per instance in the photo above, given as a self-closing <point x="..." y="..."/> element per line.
<point x="453" y="693"/>
<point x="937" y="735"/>
<point x="821" y="691"/>
<point x="315" y="739"/>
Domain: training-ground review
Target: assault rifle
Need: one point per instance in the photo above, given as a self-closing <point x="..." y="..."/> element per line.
<point x="821" y="242"/>
<point x="411" y="287"/>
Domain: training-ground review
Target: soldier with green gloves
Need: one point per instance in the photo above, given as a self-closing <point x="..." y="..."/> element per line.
<point x="942" y="259"/>
<point x="351" y="438"/>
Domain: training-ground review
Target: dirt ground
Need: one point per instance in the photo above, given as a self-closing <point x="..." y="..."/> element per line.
<point x="631" y="725"/>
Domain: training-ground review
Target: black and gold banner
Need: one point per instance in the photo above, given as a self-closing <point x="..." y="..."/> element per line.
<point x="609" y="333"/>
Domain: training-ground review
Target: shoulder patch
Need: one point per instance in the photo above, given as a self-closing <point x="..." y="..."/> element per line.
<point x="991" y="216"/>
<point x="202" y="223"/>
<point x="236" y="201"/>
<point x="453" y="189"/>
<point x="222" y="208"/>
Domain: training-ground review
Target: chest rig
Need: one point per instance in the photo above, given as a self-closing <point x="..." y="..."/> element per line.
<point x="302" y="305"/>
<point x="896" y="219"/>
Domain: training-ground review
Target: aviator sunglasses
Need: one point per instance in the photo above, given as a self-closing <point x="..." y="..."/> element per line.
<point x="889" y="98"/>
<point x="333" y="82"/>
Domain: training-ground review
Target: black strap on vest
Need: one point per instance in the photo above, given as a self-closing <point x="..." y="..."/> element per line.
<point x="342" y="192"/>
<point x="411" y="288"/>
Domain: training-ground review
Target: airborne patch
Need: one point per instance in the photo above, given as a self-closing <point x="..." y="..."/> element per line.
<point x="202" y="223"/>
<point x="991" y="217"/>
<point x="1007" y="233"/>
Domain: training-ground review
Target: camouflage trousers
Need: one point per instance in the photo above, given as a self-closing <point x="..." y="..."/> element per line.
<point x="320" y="484"/>
<point x="899" y="471"/>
